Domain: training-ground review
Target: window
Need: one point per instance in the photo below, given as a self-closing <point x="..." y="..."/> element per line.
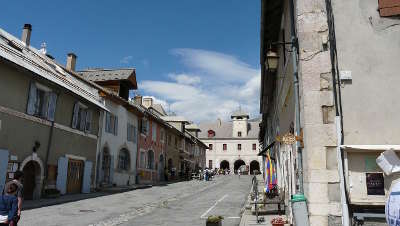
<point x="224" y="147"/>
<point x="254" y="147"/>
<point x="41" y="102"/>
<point x="144" y="126"/>
<point x="123" y="159"/>
<point x="211" y="133"/>
<point x="154" y="132"/>
<point x="82" y="117"/>
<point x="239" y="147"/>
<point x="210" y="164"/>
<point x="210" y="146"/>
<point x="142" y="162"/>
<point x="239" y="134"/>
<point x="162" y="134"/>
<point x="389" y="7"/>
<point x="169" y="139"/>
<point x="150" y="160"/>
<point x="131" y="133"/>
<point x="176" y="141"/>
<point x="111" y="123"/>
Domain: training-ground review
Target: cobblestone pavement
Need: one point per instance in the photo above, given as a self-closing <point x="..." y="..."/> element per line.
<point x="183" y="203"/>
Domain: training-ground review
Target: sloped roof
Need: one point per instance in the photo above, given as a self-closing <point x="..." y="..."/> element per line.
<point x="174" y="119"/>
<point x="224" y="129"/>
<point x="102" y="75"/>
<point x="159" y="108"/>
<point x="15" y="51"/>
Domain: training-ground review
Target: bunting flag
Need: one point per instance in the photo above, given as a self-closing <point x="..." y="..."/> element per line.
<point x="270" y="180"/>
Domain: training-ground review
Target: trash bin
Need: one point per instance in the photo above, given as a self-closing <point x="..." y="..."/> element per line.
<point x="300" y="213"/>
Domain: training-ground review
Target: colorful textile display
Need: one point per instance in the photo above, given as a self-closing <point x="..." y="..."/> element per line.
<point x="270" y="179"/>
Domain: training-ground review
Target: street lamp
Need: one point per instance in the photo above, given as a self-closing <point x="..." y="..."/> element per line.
<point x="272" y="61"/>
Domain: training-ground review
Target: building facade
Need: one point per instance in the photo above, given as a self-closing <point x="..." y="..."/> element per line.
<point x="117" y="148"/>
<point x="49" y="120"/>
<point x="336" y="97"/>
<point x="232" y="144"/>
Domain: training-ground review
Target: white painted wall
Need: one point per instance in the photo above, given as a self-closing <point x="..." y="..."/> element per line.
<point x="217" y="155"/>
<point x="239" y="125"/>
<point x="116" y="143"/>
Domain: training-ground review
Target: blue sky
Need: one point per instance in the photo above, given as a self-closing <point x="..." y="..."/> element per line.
<point x="200" y="58"/>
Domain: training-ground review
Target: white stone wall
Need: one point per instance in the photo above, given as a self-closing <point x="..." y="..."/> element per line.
<point x="116" y="143"/>
<point x="239" y="125"/>
<point x="217" y="155"/>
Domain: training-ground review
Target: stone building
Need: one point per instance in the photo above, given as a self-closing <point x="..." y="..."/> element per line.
<point x="329" y="77"/>
<point x="232" y="144"/>
<point x="49" y="120"/>
<point x="118" y="143"/>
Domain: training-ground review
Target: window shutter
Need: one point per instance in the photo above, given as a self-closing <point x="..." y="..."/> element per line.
<point x="32" y="99"/>
<point x="45" y="106"/>
<point x="107" y="122"/>
<point x="147" y="127"/>
<point x="88" y="121"/>
<point x="75" y="115"/>
<point x="116" y="126"/>
<point x="52" y="106"/>
<point x="134" y="134"/>
<point x="129" y="132"/>
<point x="82" y="122"/>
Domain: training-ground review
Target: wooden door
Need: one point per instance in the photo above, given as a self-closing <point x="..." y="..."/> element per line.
<point x="29" y="180"/>
<point x="75" y="176"/>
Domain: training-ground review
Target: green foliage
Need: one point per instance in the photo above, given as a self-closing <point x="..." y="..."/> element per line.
<point x="214" y="219"/>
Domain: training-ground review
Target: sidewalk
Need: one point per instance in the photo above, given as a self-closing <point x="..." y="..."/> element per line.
<point x="33" y="204"/>
<point x="250" y="219"/>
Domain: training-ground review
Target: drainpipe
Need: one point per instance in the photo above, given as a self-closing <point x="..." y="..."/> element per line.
<point x="47" y="156"/>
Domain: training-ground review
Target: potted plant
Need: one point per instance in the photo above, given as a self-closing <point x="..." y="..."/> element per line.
<point x="214" y="221"/>
<point x="278" y="221"/>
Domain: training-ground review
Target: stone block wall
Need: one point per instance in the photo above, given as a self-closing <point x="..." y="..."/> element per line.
<point x="321" y="178"/>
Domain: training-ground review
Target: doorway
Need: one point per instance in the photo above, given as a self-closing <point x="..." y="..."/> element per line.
<point x="106" y="165"/>
<point x="254" y="165"/>
<point x="75" y="176"/>
<point x="32" y="172"/>
<point x="238" y="164"/>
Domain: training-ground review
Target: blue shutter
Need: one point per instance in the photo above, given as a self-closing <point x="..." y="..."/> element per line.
<point x="75" y="115"/>
<point x="52" y="106"/>
<point x="112" y="169"/>
<point x="87" y="173"/>
<point x="88" y="124"/>
<point x="62" y="172"/>
<point x="3" y="167"/>
<point x="107" y="128"/>
<point x="32" y="99"/>
<point x="116" y="126"/>
<point x="82" y="123"/>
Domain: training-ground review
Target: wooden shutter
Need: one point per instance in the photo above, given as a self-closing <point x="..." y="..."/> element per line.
<point x="107" y="122"/>
<point x="134" y="134"/>
<point x="389" y="7"/>
<point x="62" y="171"/>
<point x="116" y="125"/>
<point x="3" y="167"/>
<point x="87" y="172"/>
<point x="32" y="99"/>
<point x="82" y="122"/>
<point x="88" y="126"/>
<point x="51" y="110"/>
<point x="128" y="132"/>
<point x="75" y="116"/>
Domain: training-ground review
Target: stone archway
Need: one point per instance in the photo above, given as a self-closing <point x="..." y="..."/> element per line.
<point x="224" y="165"/>
<point x="254" y="165"/>
<point x="33" y="170"/>
<point x="106" y="166"/>
<point x="238" y="163"/>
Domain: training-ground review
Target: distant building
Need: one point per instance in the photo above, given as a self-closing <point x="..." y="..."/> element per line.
<point x="232" y="144"/>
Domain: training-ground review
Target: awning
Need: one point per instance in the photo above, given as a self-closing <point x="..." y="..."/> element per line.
<point x="262" y="153"/>
<point x="383" y="147"/>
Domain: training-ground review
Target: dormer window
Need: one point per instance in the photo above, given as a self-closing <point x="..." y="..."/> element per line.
<point x="211" y="133"/>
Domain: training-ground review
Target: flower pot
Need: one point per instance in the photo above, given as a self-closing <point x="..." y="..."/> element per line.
<point x="214" y="223"/>
<point x="278" y="224"/>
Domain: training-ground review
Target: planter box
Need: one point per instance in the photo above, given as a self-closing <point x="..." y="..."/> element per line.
<point x="214" y="224"/>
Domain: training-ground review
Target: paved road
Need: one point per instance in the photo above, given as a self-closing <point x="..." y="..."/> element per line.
<point x="178" y="204"/>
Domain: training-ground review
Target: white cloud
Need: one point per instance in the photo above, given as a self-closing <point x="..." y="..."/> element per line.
<point x="216" y="85"/>
<point x="126" y="60"/>
<point x="184" y="78"/>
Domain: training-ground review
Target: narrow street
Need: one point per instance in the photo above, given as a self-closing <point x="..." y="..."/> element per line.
<point x="183" y="203"/>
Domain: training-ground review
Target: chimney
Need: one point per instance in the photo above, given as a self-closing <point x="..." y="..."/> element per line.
<point x="138" y="100"/>
<point x="71" y="61"/>
<point x="148" y="102"/>
<point x="26" y="34"/>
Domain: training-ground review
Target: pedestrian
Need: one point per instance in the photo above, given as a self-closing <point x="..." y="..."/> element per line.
<point x="9" y="206"/>
<point x="19" y="194"/>
<point x="239" y="173"/>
